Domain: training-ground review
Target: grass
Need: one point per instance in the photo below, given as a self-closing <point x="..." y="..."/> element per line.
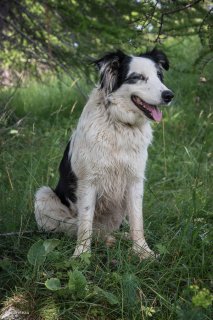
<point x="112" y="283"/>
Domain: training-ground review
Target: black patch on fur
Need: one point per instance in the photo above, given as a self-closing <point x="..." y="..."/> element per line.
<point x="134" y="77"/>
<point x="158" y="57"/>
<point x="67" y="185"/>
<point x="116" y="64"/>
<point x="160" y="74"/>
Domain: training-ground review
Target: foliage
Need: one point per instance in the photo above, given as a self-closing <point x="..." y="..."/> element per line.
<point x="53" y="284"/>
<point x="201" y="298"/>
<point x="39" y="251"/>
<point x="68" y="34"/>
<point x="77" y="283"/>
<point x="194" y="301"/>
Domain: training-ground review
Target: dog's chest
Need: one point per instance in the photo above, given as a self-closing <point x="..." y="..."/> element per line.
<point x="110" y="156"/>
<point x="118" y="159"/>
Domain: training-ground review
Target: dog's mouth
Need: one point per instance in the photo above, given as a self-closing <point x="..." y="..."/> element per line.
<point x="152" y="112"/>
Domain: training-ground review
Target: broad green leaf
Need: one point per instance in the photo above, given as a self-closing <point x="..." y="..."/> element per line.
<point x="53" y="284"/>
<point x="161" y="248"/>
<point x="50" y="245"/>
<point x="77" y="283"/>
<point x="106" y="295"/>
<point x="5" y="264"/>
<point x="39" y="251"/>
<point x="203" y="298"/>
<point x="110" y="297"/>
<point x="86" y="257"/>
<point x="36" y="254"/>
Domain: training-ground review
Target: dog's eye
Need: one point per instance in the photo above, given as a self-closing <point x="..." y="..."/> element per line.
<point x="142" y="77"/>
<point x="135" y="77"/>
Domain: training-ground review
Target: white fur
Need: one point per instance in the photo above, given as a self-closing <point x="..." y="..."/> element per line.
<point x="108" y="155"/>
<point x="51" y="215"/>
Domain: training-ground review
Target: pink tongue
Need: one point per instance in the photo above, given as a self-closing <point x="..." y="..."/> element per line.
<point x="155" y="112"/>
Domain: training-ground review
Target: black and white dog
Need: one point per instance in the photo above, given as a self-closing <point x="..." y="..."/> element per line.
<point x="103" y="167"/>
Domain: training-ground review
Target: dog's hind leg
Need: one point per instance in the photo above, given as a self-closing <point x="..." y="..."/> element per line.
<point x="51" y="214"/>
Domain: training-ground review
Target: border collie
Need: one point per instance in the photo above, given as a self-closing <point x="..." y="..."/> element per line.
<point x="102" y="170"/>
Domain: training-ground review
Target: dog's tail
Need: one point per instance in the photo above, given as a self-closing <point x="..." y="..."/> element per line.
<point x="51" y="214"/>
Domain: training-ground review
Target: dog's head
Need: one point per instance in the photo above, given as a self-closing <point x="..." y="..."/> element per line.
<point x="134" y="84"/>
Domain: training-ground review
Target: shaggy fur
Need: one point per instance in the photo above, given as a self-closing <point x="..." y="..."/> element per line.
<point x="103" y="167"/>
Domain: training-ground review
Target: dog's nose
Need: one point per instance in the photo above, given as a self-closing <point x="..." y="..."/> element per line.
<point x="167" y="96"/>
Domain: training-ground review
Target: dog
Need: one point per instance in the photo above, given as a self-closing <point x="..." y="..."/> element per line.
<point x="103" y="167"/>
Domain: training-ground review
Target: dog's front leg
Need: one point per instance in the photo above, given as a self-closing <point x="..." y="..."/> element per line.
<point x="134" y="205"/>
<point x="86" y="207"/>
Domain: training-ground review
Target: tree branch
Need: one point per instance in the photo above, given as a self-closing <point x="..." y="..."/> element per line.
<point x="170" y="12"/>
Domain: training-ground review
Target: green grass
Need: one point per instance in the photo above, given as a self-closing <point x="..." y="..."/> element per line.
<point x="112" y="283"/>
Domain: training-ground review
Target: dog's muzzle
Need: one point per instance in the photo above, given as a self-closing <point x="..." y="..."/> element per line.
<point x="167" y="96"/>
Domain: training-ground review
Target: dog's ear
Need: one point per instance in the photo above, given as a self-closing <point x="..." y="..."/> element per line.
<point x="159" y="57"/>
<point x="110" y="67"/>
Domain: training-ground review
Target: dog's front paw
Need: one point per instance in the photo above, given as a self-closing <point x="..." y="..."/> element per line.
<point x="143" y="251"/>
<point x="80" y="249"/>
<point x="110" y="241"/>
